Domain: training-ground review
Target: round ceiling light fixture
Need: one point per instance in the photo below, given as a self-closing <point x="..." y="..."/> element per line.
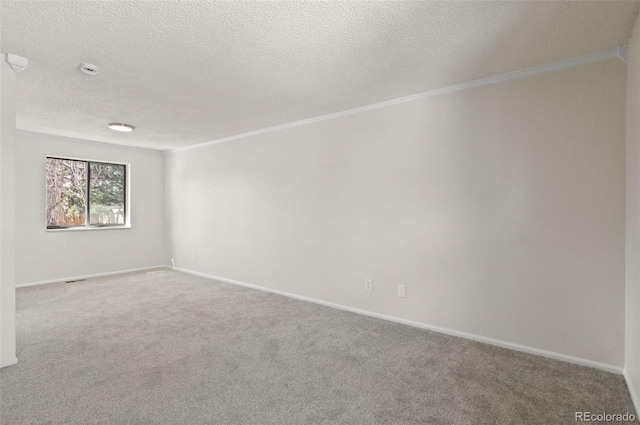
<point x="117" y="126"/>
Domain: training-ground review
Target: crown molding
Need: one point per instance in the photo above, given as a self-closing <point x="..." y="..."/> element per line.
<point x="609" y="54"/>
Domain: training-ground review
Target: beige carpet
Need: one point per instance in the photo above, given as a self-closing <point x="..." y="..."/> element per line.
<point x="170" y="348"/>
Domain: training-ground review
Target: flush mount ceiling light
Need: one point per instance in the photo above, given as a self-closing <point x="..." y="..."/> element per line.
<point x="120" y="127"/>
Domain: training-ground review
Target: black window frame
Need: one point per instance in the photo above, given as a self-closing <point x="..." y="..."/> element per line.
<point x="87" y="216"/>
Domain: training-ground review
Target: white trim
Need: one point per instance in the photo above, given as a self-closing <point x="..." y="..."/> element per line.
<point x="632" y="392"/>
<point x="11" y="362"/>
<point x="463" y="86"/>
<point x="491" y="341"/>
<point x="623" y="52"/>
<point x="88" y="276"/>
<point x="82" y="228"/>
<point x="99" y="161"/>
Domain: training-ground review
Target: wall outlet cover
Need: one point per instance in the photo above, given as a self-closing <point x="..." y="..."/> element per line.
<point x="368" y="285"/>
<point x="402" y="291"/>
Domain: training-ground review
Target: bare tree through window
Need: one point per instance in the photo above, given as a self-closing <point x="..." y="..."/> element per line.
<point x="85" y="193"/>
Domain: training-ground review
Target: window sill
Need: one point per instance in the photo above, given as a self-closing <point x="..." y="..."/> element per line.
<point x="86" y="228"/>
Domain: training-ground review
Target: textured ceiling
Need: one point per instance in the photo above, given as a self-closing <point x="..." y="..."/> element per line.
<point x="190" y="71"/>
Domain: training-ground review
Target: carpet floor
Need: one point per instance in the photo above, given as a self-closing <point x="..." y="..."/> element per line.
<point x="171" y="348"/>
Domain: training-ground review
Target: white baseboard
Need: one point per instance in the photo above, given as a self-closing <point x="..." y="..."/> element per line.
<point x="632" y="392"/>
<point x="9" y="362"/>
<point x="499" y="343"/>
<point x="88" y="276"/>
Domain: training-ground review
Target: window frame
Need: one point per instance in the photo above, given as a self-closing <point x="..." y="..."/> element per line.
<point x="87" y="225"/>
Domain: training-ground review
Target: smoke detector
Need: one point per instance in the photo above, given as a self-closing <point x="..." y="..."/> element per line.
<point x="88" y="68"/>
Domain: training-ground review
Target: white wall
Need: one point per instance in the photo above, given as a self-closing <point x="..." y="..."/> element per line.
<point x="45" y="256"/>
<point x="632" y="335"/>
<point x="7" y="214"/>
<point x="501" y="208"/>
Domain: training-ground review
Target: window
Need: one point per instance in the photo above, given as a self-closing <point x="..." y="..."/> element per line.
<point x="75" y="187"/>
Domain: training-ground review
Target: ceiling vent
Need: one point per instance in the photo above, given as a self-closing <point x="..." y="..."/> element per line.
<point x="88" y="68"/>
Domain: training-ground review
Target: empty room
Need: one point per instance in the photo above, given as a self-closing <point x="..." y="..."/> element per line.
<point x="319" y="212"/>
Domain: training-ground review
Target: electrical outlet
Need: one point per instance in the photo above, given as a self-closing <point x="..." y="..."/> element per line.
<point x="402" y="291"/>
<point x="195" y="255"/>
<point x="368" y="285"/>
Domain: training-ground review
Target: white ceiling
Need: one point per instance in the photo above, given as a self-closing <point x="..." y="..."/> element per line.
<point x="186" y="72"/>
